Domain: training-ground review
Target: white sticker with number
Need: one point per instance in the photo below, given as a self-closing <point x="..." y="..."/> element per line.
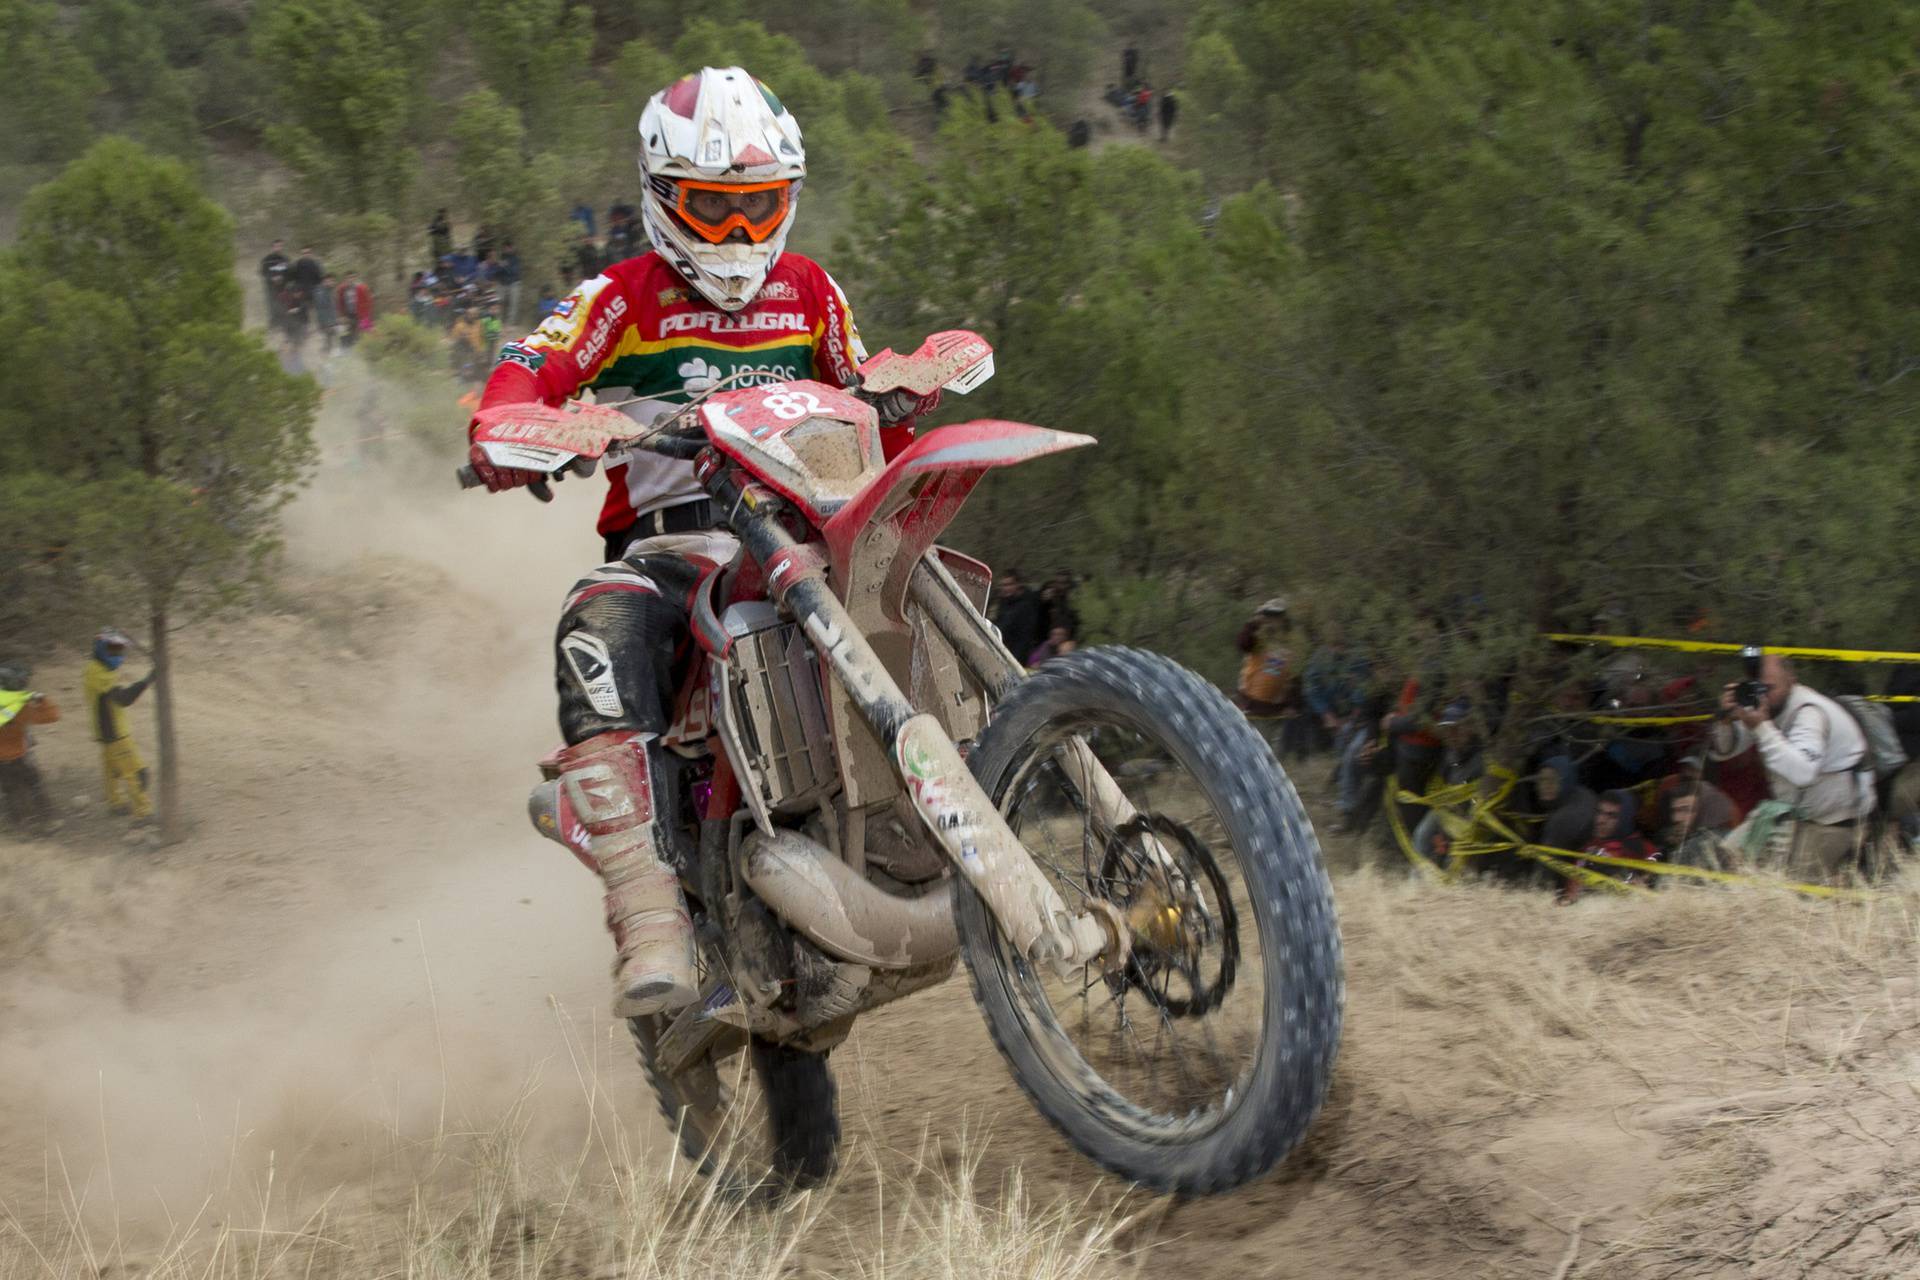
<point x="791" y="405"/>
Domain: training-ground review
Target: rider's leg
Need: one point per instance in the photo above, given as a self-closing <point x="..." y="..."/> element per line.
<point x="619" y="636"/>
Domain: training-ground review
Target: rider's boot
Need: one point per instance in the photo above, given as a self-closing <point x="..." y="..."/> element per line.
<point x="608" y="786"/>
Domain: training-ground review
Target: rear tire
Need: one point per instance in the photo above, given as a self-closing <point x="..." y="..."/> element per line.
<point x="1267" y="1107"/>
<point x="788" y="1142"/>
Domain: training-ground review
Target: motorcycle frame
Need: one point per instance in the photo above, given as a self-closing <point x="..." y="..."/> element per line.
<point x="958" y="815"/>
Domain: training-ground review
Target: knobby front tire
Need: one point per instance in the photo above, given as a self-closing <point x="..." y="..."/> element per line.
<point x="1203" y="1064"/>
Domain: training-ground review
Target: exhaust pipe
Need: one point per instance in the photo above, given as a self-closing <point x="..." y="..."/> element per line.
<point x="841" y="912"/>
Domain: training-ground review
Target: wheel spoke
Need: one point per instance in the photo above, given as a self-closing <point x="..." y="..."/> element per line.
<point x="1170" y="864"/>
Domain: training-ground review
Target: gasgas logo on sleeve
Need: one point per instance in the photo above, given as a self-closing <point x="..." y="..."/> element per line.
<point x="596" y="340"/>
<point x="720" y="322"/>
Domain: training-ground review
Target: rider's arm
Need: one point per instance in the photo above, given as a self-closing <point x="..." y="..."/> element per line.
<point x="551" y="364"/>
<point x="567" y="351"/>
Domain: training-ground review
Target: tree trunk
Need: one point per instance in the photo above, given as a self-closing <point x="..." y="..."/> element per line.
<point x="172" y="823"/>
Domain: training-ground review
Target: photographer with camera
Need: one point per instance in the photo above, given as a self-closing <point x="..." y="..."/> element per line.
<point x="1813" y="751"/>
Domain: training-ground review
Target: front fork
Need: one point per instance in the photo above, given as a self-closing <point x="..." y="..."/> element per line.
<point x="957" y="812"/>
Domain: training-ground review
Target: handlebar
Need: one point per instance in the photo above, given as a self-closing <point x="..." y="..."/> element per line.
<point x="685" y="445"/>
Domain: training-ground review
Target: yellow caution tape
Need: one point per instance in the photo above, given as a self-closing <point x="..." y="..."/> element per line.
<point x="1565" y="862"/>
<point x="1710" y="646"/>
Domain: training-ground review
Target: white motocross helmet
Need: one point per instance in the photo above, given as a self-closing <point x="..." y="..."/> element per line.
<point x="723" y="163"/>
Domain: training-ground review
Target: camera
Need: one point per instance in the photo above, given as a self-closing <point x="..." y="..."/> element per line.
<point x="1751" y="693"/>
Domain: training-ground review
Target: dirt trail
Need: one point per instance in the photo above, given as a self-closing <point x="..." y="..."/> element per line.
<point x="362" y="944"/>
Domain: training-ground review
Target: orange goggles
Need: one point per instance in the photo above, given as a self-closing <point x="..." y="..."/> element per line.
<point x="715" y="210"/>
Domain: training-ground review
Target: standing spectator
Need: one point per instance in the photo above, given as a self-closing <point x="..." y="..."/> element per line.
<point x="463" y="266"/>
<point x="1021" y="615"/>
<point x="586" y="258"/>
<point x="1129" y="65"/>
<point x="1024" y="89"/>
<point x="1142" y="108"/>
<point x="1169" y="106"/>
<point x="306" y="275"/>
<point x="582" y="214"/>
<point x="296" y="312"/>
<point x="547" y="304"/>
<point x="1903" y="789"/>
<point x="1331" y="685"/>
<point x="353" y="303"/>
<point x="506" y="277"/>
<point x="273" y="277"/>
<point x="1904" y="682"/>
<point x="622" y="231"/>
<point x="420" y="297"/>
<point x="490" y="332"/>
<point x="1460" y="761"/>
<point x="107" y="702"/>
<point x="1269" y="684"/>
<point x="1690" y="777"/>
<point x="21" y="709"/>
<point x="1690" y="824"/>
<point x="1812" y="749"/>
<point x="1356" y="774"/>
<point x="1057" y="596"/>
<point x="467" y="347"/>
<point x="439" y="236"/>
<point x="1415" y="747"/>
<point x="1079" y="133"/>
<point x="1566" y="808"/>
<point x="326" y="314"/>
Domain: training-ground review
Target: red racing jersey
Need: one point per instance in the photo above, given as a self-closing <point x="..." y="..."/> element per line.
<point x="638" y="330"/>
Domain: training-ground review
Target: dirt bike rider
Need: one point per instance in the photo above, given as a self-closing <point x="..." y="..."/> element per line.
<point x="722" y="163"/>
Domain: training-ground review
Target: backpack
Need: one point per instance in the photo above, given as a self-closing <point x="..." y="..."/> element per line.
<point x="1885" y="756"/>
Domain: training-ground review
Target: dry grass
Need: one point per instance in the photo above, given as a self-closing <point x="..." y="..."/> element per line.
<point x="484" y="1208"/>
<point x="470" y="1201"/>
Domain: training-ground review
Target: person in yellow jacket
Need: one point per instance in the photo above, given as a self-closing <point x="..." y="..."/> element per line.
<point x="22" y="797"/>
<point x="107" y="703"/>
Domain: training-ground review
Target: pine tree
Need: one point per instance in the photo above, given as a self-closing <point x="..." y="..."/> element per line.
<point x="162" y="438"/>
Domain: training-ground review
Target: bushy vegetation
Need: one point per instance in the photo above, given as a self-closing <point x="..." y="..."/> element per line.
<point x="1461" y="324"/>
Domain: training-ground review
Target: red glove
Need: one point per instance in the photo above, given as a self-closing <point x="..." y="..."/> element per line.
<point x="499" y="479"/>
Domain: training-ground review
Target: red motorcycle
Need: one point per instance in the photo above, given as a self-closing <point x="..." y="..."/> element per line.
<point x="870" y="786"/>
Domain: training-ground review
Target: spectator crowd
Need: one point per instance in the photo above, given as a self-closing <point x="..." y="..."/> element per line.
<point x="310" y="311"/>
<point x="1657" y="763"/>
<point x="1006" y="80"/>
<point x="1036" y="625"/>
<point x="992" y="82"/>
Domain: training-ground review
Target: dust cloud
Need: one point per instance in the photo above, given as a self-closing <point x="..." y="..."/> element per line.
<point x="361" y="948"/>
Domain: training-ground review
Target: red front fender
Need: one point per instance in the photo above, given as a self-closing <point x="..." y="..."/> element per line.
<point x="923" y="488"/>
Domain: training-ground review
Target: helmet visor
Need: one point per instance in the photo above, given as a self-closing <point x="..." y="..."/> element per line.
<point x="715" y="210"/>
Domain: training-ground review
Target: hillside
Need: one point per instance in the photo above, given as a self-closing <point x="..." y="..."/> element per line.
<point x="353" y="1025"/>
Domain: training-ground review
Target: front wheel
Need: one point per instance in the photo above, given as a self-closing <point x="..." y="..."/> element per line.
<point x="1200" y="1063"/>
